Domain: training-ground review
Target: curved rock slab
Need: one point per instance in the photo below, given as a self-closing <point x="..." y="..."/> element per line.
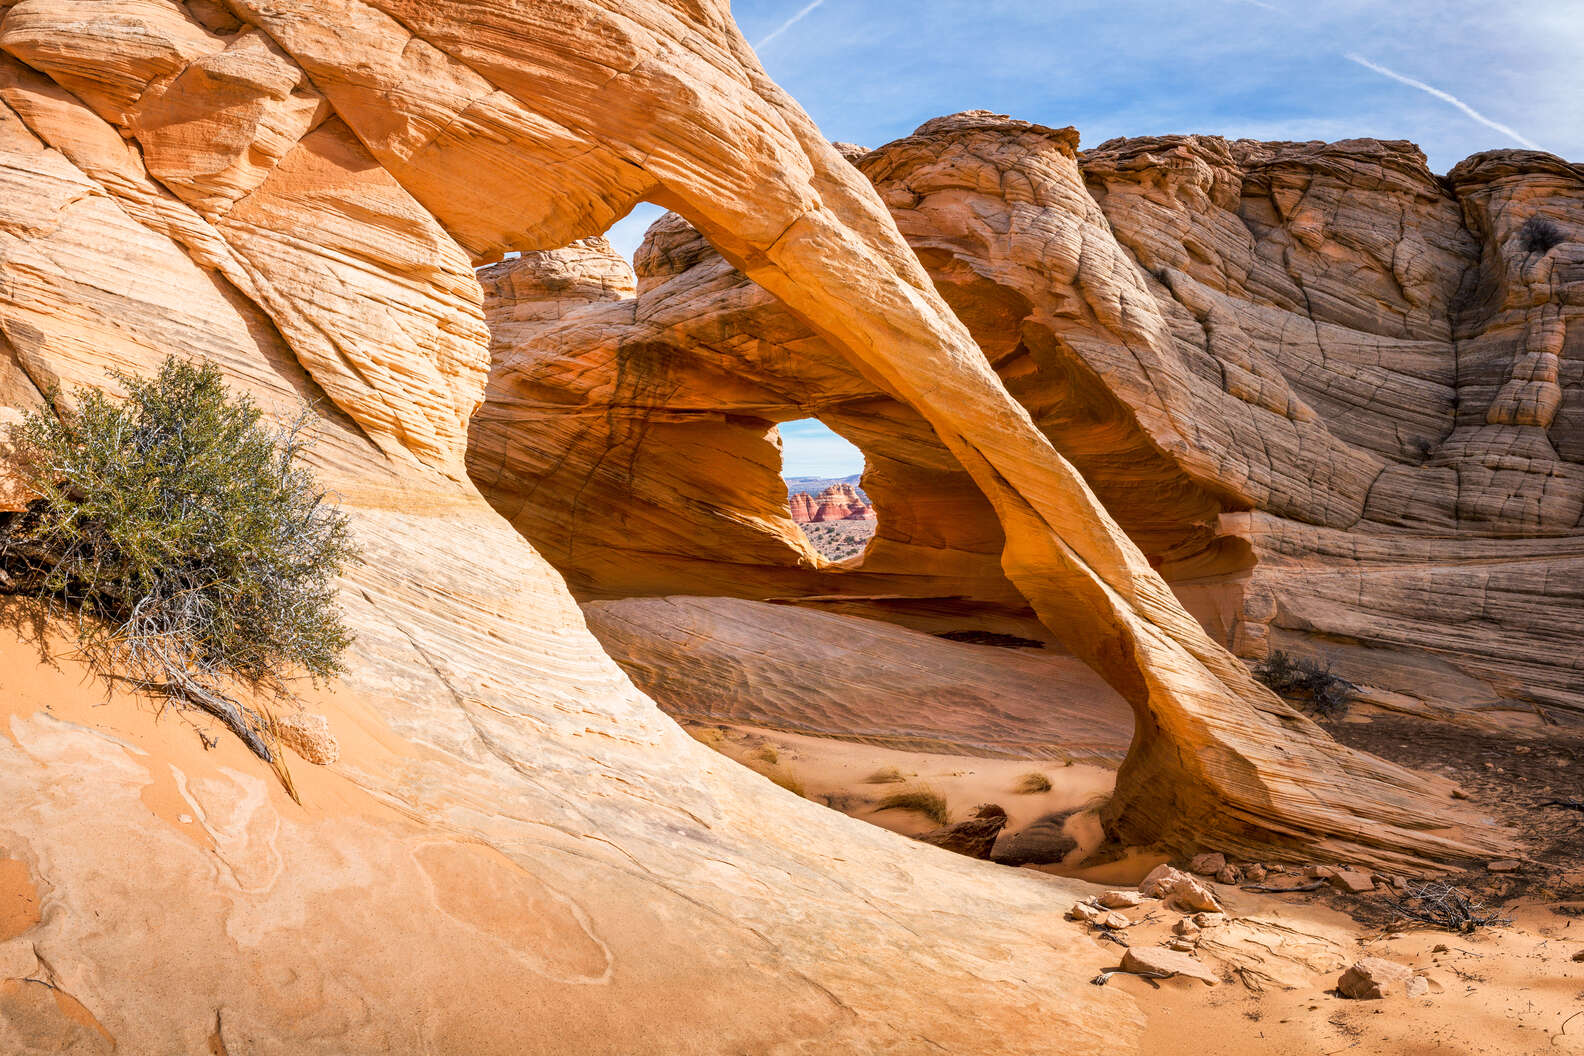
<point x="833" y="675"/>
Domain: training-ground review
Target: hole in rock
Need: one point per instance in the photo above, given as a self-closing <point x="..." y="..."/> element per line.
<point x="825" y="496"/>
<point x="649" y="429"/>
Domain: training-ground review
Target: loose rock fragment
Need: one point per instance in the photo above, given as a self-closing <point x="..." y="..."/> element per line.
<point x="1373" y="978"/>
<point x="1121" y="899"/>
<point x="1157" y="960"/>
<point x="1352" y="881"/>
<point x="1180" y="890"/>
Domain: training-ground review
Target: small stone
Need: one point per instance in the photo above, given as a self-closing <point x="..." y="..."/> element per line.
<point x="1207" y="864"/>
<point x="1373" y="978"/>
<point x="1209" y="920"/>
<point x="1158" y="960"/>
<point x="1121" y="899"/>
<point x="1187" y="928"/>
<point x="1179" y="889"/>
<point x="1504" y="865"/>
<point x="1441" y="947"/>
<point x="1352" y="881"/>
<point x="1321" y="872"/>
<point x="309" y="736"/>
<point x="1180" y="945"/>
<point x="1255" y="872"/>
<point x="185" y="819"/>
<point x="1115" y="921"/>
<point x="1083" y="911"/>
<point x="1458" y="793"/>
<point x="1579" y="956"/>
<point x="1194" y="896"/>
<point x="1229" y="874"/>
<point x="1160" y="881"/>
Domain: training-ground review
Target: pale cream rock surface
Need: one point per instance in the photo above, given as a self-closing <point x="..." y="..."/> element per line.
<point x="298" y="190"/>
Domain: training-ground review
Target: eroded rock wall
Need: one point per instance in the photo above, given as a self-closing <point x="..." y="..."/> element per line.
<point x="1371" y="357"/>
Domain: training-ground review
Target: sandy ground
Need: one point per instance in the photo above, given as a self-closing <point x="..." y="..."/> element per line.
<point x="1507" y="990"/>
<point x="1501" y="991"/>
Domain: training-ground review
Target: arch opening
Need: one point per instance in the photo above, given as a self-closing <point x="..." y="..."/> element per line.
<point x="823" y="472"/>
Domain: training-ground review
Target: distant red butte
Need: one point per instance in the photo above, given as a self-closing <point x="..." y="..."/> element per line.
<point x="839" y="502"/>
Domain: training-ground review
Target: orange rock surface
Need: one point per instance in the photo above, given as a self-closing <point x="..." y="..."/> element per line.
<point x="298" y="190"/>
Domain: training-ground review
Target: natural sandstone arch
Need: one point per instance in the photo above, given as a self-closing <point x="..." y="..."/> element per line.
<point x="556" y="133"/>
<point x="683" y="115"/>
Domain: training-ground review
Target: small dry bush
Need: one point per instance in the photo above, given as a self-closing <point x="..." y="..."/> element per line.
<point x="1540" y="235"/>
<point x="921" y="798"/>
<point x="767" y="753"/>
<point x="1305" y="680"/>
<point x="1032" y="784"/>
<point x="178" y="532"/>
<point x="709" y="736"/>
<point x="886" y="775"/>
<point x="787" y="780"/>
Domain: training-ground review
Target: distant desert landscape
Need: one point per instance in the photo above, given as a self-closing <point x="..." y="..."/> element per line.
<point x="512" y="541"/>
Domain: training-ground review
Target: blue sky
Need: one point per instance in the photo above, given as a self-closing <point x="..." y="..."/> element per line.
<point x="808" y="449"/>
<point x="1454" y="76"/>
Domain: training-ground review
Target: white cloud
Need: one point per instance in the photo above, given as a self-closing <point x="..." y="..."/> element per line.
<point x="788" y="24"/>
<point x="1446" y="97"/>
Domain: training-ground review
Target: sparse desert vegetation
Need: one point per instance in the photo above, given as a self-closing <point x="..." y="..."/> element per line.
<point x="178" y="533"/>
<point x="921" y="798"/>
<point x="1308" y="682"/>
<point x="886" y="775"/>
<point x="1032" y="783"/>
<point x="839" y="540"/>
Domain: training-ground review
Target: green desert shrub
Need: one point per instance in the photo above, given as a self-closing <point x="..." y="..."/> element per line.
<point x="1308" y="682"/>
<point x="176" y="528"/>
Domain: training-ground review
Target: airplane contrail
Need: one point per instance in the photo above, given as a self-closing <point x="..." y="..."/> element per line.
<point x="788" y="24"/>
<point x="1445" y="97"/>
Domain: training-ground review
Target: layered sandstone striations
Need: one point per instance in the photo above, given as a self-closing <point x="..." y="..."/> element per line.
<point x="298" y="193"/>
<point x="839" y="502"/>
<point x="1326" y="392"/>
<point x="298" y="190"/>
<point x="1283" y="442"/>
<point x="836" y="675"/>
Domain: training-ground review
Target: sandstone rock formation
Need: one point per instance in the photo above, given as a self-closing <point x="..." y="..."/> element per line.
<point x="838" y="675"/>
<point x="1262" y="569"/>
<point x="298" y="190"/>
<point x="972" y="836"/>
<point x="802" y="507"/>
<point x="298" y="193"/>
<point x="1250" y="351"/>
<point x="840" y="502"/>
